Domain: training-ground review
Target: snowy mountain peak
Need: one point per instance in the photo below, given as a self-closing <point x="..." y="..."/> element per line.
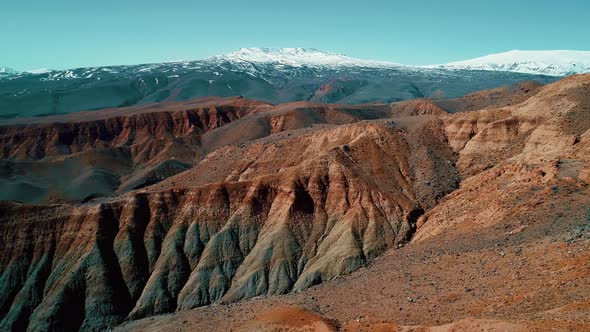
<point x="297" y="57"/>
<point x="7" y="71"/>
<point x="39" y="71"/>
<point x="553" y="63"/>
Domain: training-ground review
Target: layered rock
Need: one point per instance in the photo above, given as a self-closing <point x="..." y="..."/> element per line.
<point x="118" y="150"/>
<point x="549" y="124"/>
<point x="515" y="157"/>
<point x="328" y="205"/>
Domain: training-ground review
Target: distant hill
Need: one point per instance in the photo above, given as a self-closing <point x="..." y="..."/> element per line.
<point x="270" y="75"/>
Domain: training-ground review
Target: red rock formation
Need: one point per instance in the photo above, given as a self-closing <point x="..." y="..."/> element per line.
<point x="130" y="148"/>
<point x="332" y="202"/>
<point x="139" y="130"/>
<point x="285" y="197"/>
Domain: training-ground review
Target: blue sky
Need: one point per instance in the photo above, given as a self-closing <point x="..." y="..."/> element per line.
<point x="65" y="33"/>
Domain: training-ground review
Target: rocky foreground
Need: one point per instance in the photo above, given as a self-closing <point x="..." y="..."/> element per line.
<point x="476" y="219"/>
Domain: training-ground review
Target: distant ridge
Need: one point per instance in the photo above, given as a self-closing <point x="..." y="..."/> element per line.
<point x="553" y="63"/>
<point x="299" y="57"/>
<point x="273" y="75"/>
<point x="5" y="71"/>
<point x="550" y="62"/>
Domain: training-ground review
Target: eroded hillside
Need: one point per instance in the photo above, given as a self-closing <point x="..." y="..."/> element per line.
<point x="282" y="198"/>
<point x="506" y="251"/>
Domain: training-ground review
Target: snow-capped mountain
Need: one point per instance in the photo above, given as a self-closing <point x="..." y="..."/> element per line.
<point x="262" y="61"/>
<point x="272" y="75"/>
<point x="297" y="57"/>
<point x="39" y="71"/>
<point x="5" y="71"/>
<point x="553" y="63"/>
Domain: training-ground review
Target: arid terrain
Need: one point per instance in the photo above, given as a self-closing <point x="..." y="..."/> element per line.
<point x="229" y="214"/>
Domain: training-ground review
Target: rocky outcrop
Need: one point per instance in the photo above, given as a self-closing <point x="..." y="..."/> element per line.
<point x="102" y="154"/>
<point x="141" y="131"/>
<point x="416" y="107"/>
<point x="514" y="158"/>
<point x="550" y="123"/>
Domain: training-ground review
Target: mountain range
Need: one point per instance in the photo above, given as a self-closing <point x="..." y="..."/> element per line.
<point x="275" y="76"/>
<point x="8" y="72"/>
<point x="553" y="63"/>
